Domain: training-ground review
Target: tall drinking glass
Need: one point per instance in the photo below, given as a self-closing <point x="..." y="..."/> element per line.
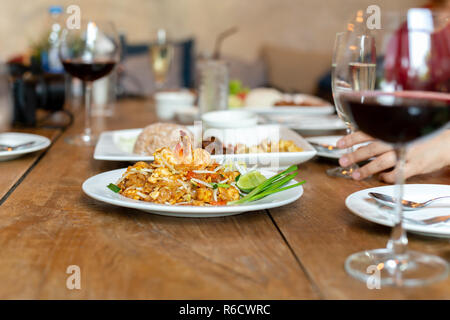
<point x="88" y="53"/>
<point x="212" y="85"/>
<point x="362" y="66"/>
<point x="410" y="101"/>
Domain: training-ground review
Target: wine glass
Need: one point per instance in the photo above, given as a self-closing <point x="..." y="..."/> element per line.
<point x="410" y="101"/>
<point x="89" y="53"/>
<point x="161" y="54"/>
<point x="361" y="65"/>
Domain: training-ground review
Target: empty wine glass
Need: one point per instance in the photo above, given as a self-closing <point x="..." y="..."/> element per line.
<point x="361" y="65"/>
<point x="89" y="53"/>
<point x="410" y="100"/>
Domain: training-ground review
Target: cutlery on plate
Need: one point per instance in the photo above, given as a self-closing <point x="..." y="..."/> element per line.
<point x="328" y="147"/>
<point x="407" y="204"/>
<point x="6" y="147"/>
<point x="434" y="220"/>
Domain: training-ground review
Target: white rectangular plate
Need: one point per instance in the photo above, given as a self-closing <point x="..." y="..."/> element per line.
<point x="118" y="146"/>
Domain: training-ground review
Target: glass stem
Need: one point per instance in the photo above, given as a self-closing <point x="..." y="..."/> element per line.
<point x="398" y="242"/>
<point x="348" y="131"/>
<point x="352" y="167"/>
<point x="87" y="111"/>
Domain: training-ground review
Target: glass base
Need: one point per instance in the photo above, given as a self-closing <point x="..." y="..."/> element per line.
<point x="382" y="267"/>
<point x="341" y="172"/>
<point x="82" y="140"/>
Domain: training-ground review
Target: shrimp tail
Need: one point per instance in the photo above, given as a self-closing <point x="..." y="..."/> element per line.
<point x="183" y="149"/>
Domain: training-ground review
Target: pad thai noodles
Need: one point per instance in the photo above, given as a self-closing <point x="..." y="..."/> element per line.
<point x="182" y="176"/>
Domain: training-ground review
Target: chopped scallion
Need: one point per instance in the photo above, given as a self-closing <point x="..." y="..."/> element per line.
<point x="270" y="186"/>
<point x="220" y="185"/>
<point x="113" y="187"/>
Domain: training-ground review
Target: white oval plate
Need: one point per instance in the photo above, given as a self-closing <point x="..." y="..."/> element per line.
<point x="95" y="187"/>
<point x="361" y="204"/>
<point x="308" y="123"/>
<point x="16" y="138"/>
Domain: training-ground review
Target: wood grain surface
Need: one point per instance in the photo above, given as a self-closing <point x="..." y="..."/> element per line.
<point x="294" y="252"/>
<point x="12" y="171"/>
<point x="323" y="233"/>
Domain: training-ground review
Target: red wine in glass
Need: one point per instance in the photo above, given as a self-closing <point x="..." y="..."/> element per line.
<point x="399" y="117"/>
<point x="410" y="100"/>
<point x="89" y="53"/>
<point x="88" y="71"/>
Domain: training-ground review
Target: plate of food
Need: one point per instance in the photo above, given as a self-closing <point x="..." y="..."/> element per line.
<point x="305" y="123"/>
<point x="268" y="101"/>
<point x="187" y="182"/>
<point x="263" y="145"/>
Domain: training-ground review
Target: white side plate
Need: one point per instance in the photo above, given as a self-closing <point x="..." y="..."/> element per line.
<point x="361" y="204"/>
<point x="16" y="138"/>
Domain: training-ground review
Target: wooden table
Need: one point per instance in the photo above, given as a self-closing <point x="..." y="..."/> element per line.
<point x="294" y="252"/>
<point x="13" y="171"/>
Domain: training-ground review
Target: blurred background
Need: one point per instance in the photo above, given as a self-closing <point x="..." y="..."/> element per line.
<point x="283" y="43"/>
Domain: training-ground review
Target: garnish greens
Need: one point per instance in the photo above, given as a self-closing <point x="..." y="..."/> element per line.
<point x="272" y="185"/>
<point x="220" y="185"/>
<point x="113" y="187"/>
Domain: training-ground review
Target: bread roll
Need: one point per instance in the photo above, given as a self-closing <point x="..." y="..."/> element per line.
<point x="159" y="135"/>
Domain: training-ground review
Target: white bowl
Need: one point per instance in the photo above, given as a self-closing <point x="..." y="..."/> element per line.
<point x="167" y="103"/>
<point x="187" y="115"/>
<point x="229" y="119"/>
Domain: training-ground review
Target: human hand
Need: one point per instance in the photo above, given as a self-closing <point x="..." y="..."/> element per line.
<point x="423" y="157"/>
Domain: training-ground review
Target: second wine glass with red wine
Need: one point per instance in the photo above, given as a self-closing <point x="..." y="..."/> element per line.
<point x="410" y="101"/>
<point x="89" y="53"/>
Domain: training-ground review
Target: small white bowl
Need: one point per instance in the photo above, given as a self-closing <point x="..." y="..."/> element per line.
<point x="229" y="119"/>
<point x="167" y="103"/>
<point x="187" y="115"/>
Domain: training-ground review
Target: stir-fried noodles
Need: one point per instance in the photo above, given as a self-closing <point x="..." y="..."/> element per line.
<point x="184" y="176"/>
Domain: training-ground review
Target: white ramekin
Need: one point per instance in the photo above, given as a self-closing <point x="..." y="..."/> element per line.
<point x="167" y="103"/>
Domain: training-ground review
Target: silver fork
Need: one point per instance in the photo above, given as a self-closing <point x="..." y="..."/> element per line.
<point x="6" y="147"/>
<point x="406" y="204"/>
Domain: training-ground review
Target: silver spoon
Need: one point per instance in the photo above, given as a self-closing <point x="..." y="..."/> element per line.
<point x="407" y="205"/>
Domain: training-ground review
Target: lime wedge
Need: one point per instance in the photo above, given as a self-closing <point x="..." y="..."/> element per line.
<point x="250" y="181"/>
